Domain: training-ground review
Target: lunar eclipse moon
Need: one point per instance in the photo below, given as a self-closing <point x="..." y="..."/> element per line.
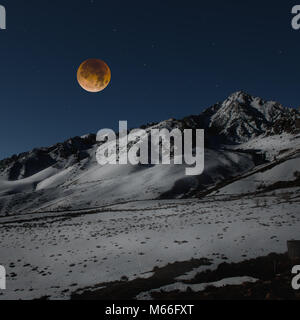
<point x="94" y="75"/>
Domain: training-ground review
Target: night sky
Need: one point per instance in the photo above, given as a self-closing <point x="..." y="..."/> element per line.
<point x="168" y="59"/>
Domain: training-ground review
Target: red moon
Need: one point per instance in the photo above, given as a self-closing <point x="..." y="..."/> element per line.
<point x="94" y="75"/>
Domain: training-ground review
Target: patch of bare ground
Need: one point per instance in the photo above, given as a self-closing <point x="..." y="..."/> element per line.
<point x="128" y="290"/>
<point x="273" y="273"/>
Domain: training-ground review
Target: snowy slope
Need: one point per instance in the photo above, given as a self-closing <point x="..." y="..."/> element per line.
<point x="286" y="171"/>
<point x="283" y="152"/>
<point x="101" y="185"/>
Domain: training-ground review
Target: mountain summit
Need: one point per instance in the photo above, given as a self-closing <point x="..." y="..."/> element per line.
<point x="242" y="117"/>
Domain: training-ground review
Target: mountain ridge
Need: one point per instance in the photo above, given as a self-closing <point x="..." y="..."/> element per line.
<point x="241" y="133"/>
<point x="221" y="119"/>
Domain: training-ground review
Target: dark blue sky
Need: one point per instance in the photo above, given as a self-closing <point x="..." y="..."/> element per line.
<point x="168" y="59"/>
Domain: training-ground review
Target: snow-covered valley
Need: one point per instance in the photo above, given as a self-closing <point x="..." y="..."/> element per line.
<point x="55" y="255"/>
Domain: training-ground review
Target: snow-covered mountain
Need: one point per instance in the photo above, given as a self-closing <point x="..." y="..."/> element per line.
<point x="73" y="228"/>
<point x="242" y="117"/>
<point x="244" y="134"/>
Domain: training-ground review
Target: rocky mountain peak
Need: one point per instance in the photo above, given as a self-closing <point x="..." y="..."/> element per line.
<point x="242" y="117"/>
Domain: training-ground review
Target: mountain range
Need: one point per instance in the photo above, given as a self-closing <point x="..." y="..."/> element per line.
<point x="251" y="145"/>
